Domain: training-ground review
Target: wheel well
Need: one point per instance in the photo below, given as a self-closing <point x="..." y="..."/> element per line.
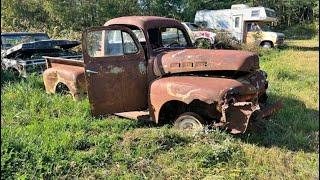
<point x="172" y="109"/>
<point x="262" y="42"/>
<point x="61" y="88"/>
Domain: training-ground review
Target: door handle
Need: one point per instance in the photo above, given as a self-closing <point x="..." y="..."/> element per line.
<point x="90" y="71"/>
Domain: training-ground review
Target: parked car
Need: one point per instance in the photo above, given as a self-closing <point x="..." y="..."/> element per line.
<point x="22" y="53"/>
<point x="198" y="34"/>
<point x="174" y="81"/>
<point x="246" y="24"/>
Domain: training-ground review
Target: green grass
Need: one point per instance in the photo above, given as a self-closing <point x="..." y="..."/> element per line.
<point x="50" y="136"/>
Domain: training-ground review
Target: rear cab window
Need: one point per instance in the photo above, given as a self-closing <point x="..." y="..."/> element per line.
<point x="167" y="37"/>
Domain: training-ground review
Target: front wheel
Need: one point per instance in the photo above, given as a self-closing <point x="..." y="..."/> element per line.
<point x="189" y="121"/>
<point x="267" y="45"/>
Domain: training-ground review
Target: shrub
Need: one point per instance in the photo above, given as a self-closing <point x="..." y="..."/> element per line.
<point x="225" y="40"/>
<point x="203" y="44"/>
<point x="304" y="31"/>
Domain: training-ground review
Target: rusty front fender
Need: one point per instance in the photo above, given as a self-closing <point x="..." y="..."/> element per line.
<point x="186" y="89"/>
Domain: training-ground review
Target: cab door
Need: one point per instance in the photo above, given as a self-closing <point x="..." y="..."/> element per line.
<point x="115" y="70"/>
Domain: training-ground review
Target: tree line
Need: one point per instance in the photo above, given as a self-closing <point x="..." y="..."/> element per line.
<point x="75" y="15"/>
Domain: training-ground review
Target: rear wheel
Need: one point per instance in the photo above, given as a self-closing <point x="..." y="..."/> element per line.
<point x="189" y="121"/>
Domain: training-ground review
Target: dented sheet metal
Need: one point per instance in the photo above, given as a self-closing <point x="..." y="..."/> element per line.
<point x="236" y="116"/>
<point x="188" y="88"/>
<point x="70" y="73"/>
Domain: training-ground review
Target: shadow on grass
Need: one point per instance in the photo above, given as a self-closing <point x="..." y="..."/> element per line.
<point x="9" y="77"/>
<point x="298" y="48"/>
<point x="295" y="127"/>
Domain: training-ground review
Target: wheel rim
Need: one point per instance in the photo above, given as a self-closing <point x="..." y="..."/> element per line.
<point x="189" y="124"/>
<point x="266" y="45"/>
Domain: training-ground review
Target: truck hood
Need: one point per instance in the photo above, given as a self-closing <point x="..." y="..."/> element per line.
<point x="193" y="60"/>
<point x="274" y="34"/>
<point x="39" y="46"/>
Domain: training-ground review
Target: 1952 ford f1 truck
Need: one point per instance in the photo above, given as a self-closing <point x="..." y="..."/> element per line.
<point x="145" y="62"/>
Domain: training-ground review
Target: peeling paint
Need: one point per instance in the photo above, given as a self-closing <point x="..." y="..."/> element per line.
<point x="174" y="91"/>
<point x="115" y="69"/>
<point x="142" y="68"/>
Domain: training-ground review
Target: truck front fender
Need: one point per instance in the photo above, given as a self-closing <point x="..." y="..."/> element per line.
<point x="186" y="89"/>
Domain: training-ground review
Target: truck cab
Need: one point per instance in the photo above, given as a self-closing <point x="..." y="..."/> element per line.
<point x="139" y="63"/>
<point x="261" y="33"/>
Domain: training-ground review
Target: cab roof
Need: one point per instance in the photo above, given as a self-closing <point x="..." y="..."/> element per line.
<point x="145" y="22"/>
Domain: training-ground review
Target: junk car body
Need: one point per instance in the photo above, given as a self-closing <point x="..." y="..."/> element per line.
<point x="22" y="53"/>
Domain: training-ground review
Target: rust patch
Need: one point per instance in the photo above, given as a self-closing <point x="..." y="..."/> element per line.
<point x="65" y="71"/>
<point x="114" y="69"/>
<point x="192" y="60"/>
<point x="237" y="116"/>
<point x="182" y="92"/>
<point x="142" y="68"/>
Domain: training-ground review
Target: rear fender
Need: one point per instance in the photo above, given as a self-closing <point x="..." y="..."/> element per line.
<point x="73" y="78"/>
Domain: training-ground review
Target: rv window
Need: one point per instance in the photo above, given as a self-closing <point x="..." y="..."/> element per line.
<point x="255" y="13"/>
<point x="236" y="22"/>
<point x="271" y="13"/>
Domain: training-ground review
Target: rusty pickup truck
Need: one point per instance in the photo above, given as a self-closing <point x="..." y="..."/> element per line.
<point x="148" y="63"/>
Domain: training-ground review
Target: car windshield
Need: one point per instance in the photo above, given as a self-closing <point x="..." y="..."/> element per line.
<point x="193" y="27"/>
<point x="166" y="37"/>
<point x="8" y="41"/>
<point x="265" y="27"/>
<point x="259" y="27"/>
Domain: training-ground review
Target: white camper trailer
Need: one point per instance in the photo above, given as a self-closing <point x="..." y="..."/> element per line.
<point x="246" y="24"/>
